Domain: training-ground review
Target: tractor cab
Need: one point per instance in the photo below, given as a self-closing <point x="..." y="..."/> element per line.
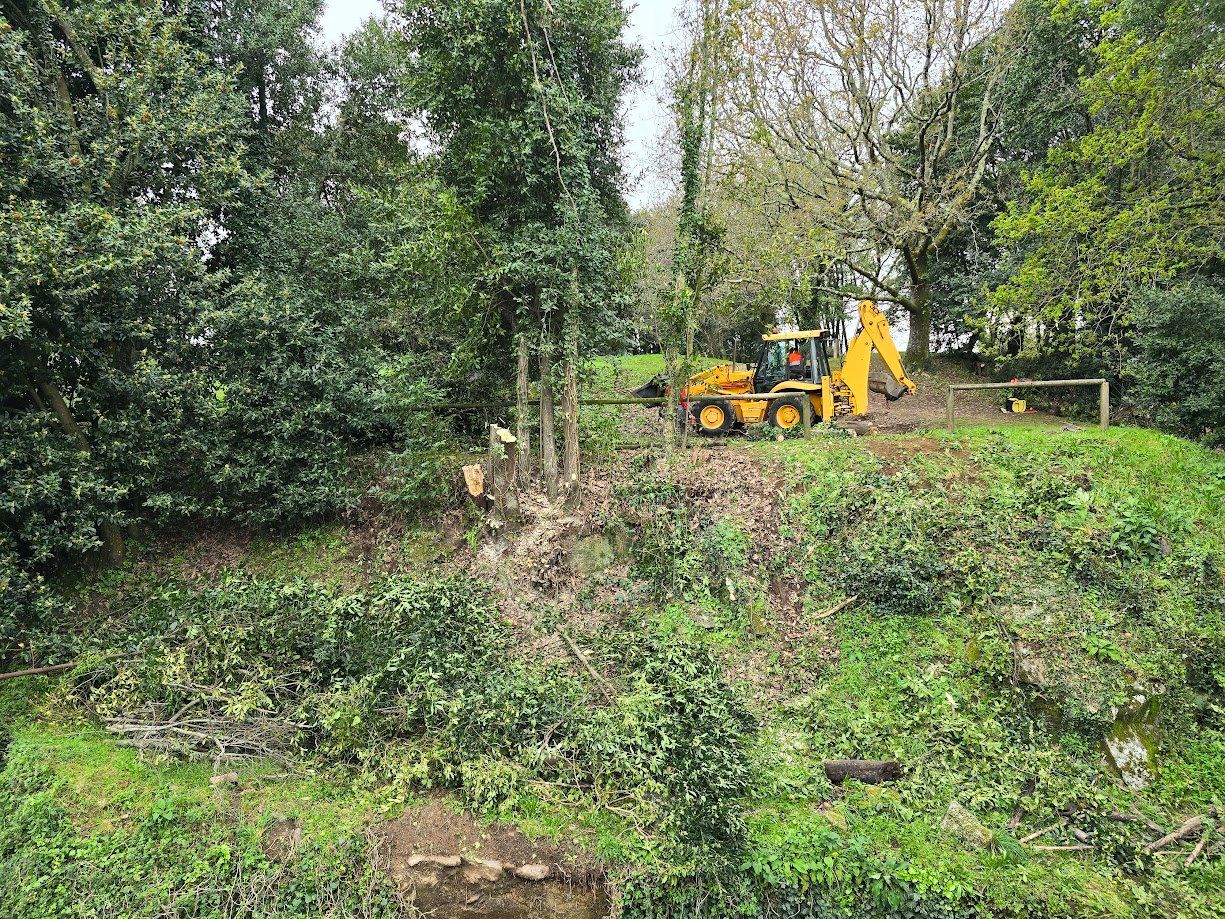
<point x="791" y="357"/>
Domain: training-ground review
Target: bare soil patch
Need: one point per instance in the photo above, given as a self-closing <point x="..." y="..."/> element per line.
<point x="449" y="865"/>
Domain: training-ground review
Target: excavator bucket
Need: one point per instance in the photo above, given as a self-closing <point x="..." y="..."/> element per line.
<point x="654" y="388"/>
<point x="889" y="388"/>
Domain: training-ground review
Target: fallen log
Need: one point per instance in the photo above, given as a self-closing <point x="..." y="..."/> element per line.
<point x="1199" y="847"/>
<point x="868" y="771"/>
<point x="1183" y="831"/>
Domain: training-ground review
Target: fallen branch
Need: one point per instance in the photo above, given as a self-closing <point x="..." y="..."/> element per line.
<point x="1199" y="847"/>
<point x="1041" y="832"/>
<point x="1133" y="817"/>
<point x="837" y="609"/>
<point x="37" y="671"/>
<point x="1183" y="831"/>
<point x="604" y="685"/>
<point x="1079" y="847"/>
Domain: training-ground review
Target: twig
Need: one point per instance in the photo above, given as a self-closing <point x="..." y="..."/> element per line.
<point x="1042" y="832"/>
<point x="837" y="609"/>
<point x="1185" y="830"/>
<point x="604" y="685"/>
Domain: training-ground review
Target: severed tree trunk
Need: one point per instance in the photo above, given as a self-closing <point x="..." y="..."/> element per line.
<point x="571" y="487"/>
<point x="502" y="484"/>
<point x="548" y="443"/>
<point x="869" y="771"/>
<point x="523" y="421"/>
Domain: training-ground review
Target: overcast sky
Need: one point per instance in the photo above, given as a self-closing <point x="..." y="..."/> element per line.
<point x="651" y="24"/>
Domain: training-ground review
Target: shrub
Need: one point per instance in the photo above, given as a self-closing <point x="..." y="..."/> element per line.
<point x="1177" y="382"/>
<point x="293" y="388"/>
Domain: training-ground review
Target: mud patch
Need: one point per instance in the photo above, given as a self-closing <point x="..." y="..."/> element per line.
<point x="449" y="865"/>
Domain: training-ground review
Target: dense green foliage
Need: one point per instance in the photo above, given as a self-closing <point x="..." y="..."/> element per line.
<point x="227" y="269"/>
<point x="1175" y="371"/>
<point x="181" y="851"/>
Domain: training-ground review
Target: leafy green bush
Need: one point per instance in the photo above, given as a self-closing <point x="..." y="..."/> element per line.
<point x="293" y="389"/>
<point x="679" y="554"/>
<point x="1175" y="372"/>
<point x="678" y="736"/>
<point x="267" y="667"/>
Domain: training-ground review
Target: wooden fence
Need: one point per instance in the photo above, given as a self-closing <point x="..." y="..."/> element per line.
<point x="1103" y="394"/>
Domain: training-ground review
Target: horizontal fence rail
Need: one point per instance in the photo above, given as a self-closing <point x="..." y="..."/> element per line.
<point x="1103" y="394"/>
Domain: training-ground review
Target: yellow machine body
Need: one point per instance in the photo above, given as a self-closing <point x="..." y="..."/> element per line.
<point x="833" y="393"/>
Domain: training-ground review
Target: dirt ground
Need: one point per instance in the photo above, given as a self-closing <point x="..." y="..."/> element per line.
<point x="436" y="830"/>
<point x="447" y="864"/>
<point x="927" y="408"/>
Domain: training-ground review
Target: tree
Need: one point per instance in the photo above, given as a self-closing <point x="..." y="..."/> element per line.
<point x="1174" y="372"/>
<point x="857" y="105"/>
<point x="696" y="261"/>
<point x="121" y="141"/>
<point x="523" y="112"/>
<point x="1132" y="203"/>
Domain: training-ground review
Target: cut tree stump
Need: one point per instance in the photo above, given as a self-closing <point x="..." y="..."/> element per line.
<point x="868" y="771"/>
<point x="500" y="478"/>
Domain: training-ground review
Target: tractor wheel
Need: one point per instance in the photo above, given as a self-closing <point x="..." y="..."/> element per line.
<point x="786" y="414"/>
<point x="714" y="417"/>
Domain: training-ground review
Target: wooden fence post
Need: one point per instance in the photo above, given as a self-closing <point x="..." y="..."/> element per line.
<point x="949" y="410"/>
<point x="806" y="415"/>
<point x="1104" y="406"/>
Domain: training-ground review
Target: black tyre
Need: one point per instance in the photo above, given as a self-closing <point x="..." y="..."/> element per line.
<point x="714" y="416"/>
<point x="786" y="414"/>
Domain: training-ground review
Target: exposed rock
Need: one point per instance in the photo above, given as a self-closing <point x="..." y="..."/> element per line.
<point x="1029" y="665"/>
<point x="533" y="872"/>
<point x="480" y="870"/>
<point x="436" y="861"/>
<point x="447" y="864"/>
<point x="835" y="818"/>
<point x="966" y="827"/>
<point x="1131" y="743"/>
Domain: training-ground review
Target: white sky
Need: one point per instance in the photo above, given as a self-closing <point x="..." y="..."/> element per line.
<point x="646" y="122"/>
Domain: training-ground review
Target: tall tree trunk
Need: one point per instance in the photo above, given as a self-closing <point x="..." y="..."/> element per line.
<point x="112" y="538"/>
<point x="571" y="487"/>
<point x="548" y="445"/>
<point x="918" y="347"/>
<point x="523" y="421"/>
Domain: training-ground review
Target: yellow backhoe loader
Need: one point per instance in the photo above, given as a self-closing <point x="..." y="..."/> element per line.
<point x="793" y="362"/>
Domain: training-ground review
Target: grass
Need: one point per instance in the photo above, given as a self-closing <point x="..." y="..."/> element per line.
<point x="618" y="375"/>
